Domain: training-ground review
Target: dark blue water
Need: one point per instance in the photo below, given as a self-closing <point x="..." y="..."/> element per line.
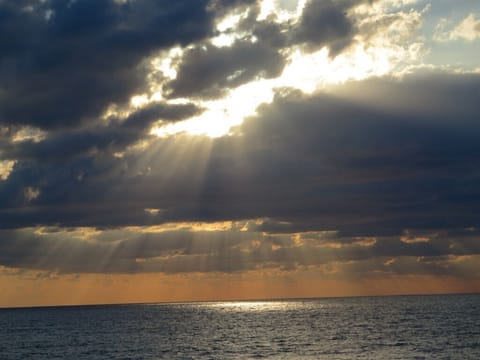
<point x="401" y="327"/>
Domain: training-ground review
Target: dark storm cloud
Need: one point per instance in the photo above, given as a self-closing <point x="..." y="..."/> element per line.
<point x="62" y="63"/>
<point x="67" y="145"/>
<point x="326" y="23"/>
<point x="210" y="71"/>
<point x="144" y="117"/>
<point x="343" y="162"/>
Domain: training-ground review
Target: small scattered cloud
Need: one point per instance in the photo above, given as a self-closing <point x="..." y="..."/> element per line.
<point x="152" y="212"/>
<point x="6" y="167"/>
<point x="31" y="193"/>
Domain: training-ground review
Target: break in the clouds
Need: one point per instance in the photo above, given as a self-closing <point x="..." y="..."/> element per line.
<point x="372" y="171"/>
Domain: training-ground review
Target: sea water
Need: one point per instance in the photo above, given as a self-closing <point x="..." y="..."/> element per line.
<point x="397" y="327"/>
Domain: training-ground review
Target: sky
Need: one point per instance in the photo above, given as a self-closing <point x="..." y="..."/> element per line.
<point x="237" y="149"/>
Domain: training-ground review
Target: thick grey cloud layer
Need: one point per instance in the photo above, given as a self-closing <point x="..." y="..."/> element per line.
<point x="63" y="62"/>
<point x="67" y="145"/>
<point x="367" y="159"/>
<point x="338" y="161"/>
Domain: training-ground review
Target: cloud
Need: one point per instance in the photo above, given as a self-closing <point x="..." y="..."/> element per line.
<point x="378" y="176"/>
<point x="260" y="48"/>
<point x="208" y="71"/>
<point x="6" y="167"/>
<point x="115" y="137"/>
<point x="326" y="23"/>
<point x="65" y="64"/>
<point x="373" y="157"/>
<point x="335" y="161"/>
<point x="146" y="250"/>
<point x="468" y="30"/>
<point x="65" y="70"/>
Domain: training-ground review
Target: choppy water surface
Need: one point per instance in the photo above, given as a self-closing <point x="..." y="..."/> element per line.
<point x="401" y="327"/>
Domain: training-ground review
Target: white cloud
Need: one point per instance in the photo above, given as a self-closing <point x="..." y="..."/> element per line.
<point x="468" y="30"/>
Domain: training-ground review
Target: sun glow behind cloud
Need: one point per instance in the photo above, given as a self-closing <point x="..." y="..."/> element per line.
<point x="306" y="72"/>
<point x="388" y="52"/>
<point x="283" y="10"/>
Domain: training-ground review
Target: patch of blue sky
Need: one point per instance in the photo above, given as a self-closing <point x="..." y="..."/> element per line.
<point x="458" y="53"/>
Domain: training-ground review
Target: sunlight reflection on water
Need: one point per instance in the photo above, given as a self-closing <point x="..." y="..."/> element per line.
<point x="254" y="306"/>
<point x="440" y="327"/>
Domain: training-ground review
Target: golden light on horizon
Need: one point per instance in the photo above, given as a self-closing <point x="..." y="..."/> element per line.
<point x="33" y="288"/>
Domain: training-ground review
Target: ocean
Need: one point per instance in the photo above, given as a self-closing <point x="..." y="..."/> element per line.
<point x="395" y="327"/>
